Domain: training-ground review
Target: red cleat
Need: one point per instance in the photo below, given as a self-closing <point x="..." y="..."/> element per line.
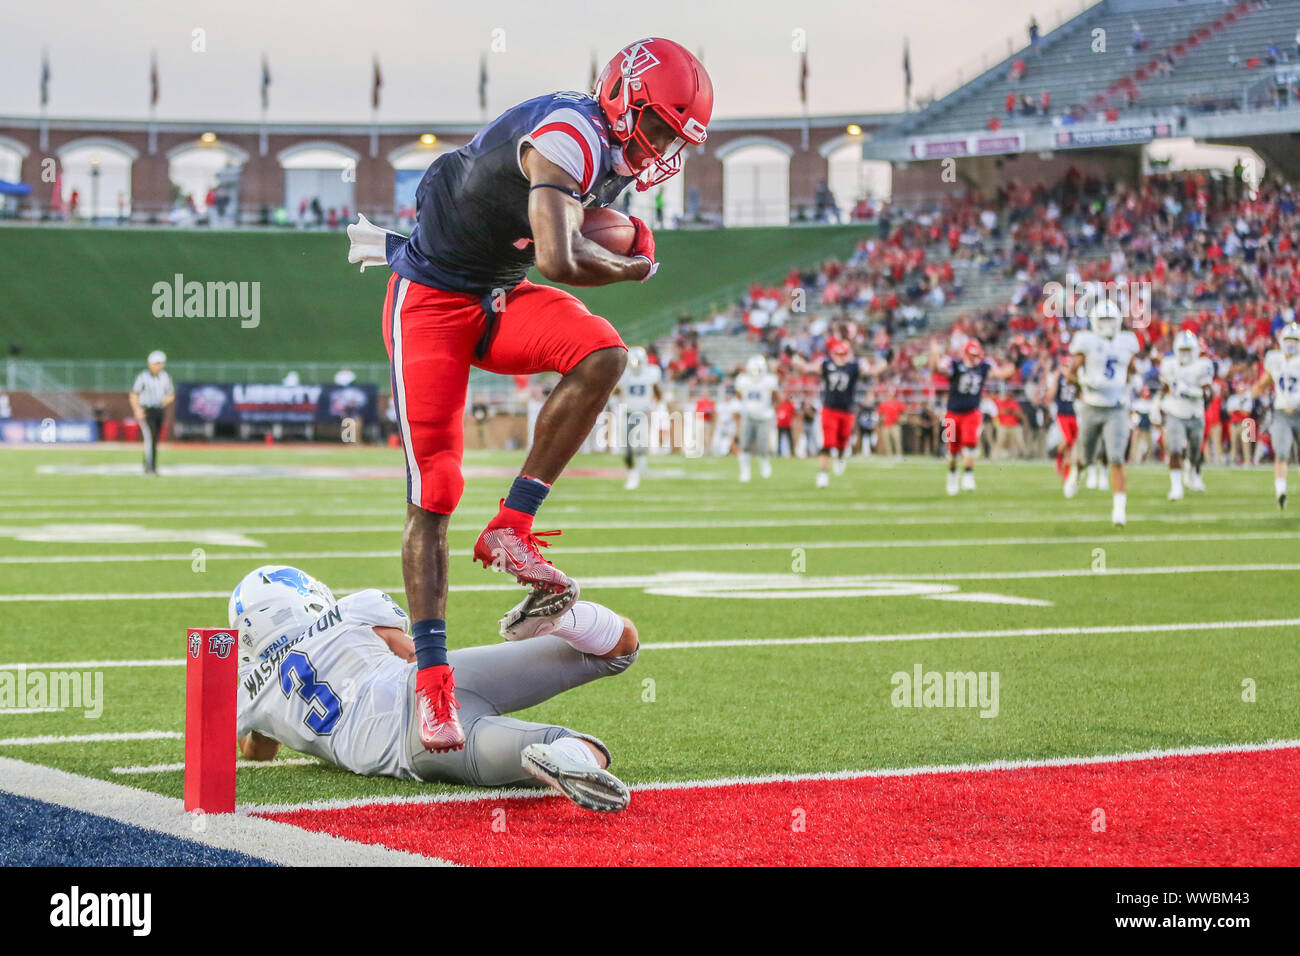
<point x="515" y="549"/>
<point x="435" y="709"/>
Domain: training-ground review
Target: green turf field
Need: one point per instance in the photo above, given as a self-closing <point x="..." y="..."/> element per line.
<point x="696" y="536"/>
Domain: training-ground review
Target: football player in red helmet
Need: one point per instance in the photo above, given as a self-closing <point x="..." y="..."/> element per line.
<point x="961" y="423"/>
<point x="511" y="198"/>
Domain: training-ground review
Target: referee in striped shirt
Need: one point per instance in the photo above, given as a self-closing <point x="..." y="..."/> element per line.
<point x="150" y="396"/>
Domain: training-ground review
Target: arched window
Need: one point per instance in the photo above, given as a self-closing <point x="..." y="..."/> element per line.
<point x="318" y="177"/>
<point x="194" y="167"/>
<point x="852" y="178"/>
<point x="409" y="165"/>
<point x="98" y="172"/>
<point x="12" y="154"/>
<point x="755" y="182"/>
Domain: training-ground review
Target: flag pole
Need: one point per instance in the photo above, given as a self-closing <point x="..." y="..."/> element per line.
<point x="153" y="103"/>
<point x="45" y="100"/>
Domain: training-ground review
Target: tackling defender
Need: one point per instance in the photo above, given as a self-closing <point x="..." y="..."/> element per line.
<point x="1102" y="360"/>
<point x="839" y="372"/>
<point x="1186" y="376"/>
<point x="639" y="391"/>
<point x="338" y="679"/>
<point x="961" y="422"/>
<point x="514" y="197"/>
<point x="757" y="389"/>
<point x="1282" y="370"/>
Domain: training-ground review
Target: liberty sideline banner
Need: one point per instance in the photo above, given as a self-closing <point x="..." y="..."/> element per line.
<point x="198" y="403"/>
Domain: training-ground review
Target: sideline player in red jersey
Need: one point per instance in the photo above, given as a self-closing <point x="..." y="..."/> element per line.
<point x="961" y="423"/>
<point x="514" y="197"/>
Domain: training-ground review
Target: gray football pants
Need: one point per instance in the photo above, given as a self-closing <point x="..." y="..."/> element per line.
<point x="1102" y="427"/>
<point x="496" y="680"/>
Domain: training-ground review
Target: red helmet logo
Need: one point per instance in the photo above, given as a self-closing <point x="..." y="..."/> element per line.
<point x="662" y="78"/>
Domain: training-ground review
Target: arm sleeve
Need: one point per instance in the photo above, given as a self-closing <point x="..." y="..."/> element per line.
<point x="567" y="139"/>
<point x="138" y="385"/>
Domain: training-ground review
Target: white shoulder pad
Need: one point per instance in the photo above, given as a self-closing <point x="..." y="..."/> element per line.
<point x="374" y="608"/>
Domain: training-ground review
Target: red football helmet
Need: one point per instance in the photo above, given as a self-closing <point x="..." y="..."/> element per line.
<point x="839" y="349"/>
<point x="663" y="76"/>
<point x="972" y="351"/>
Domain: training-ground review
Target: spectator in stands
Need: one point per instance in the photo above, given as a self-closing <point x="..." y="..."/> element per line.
<point x="890" y="414"/>
<point x="1033" y="32"/>
<point x="1137" y="42"/>
<point x="1017" y="71"/>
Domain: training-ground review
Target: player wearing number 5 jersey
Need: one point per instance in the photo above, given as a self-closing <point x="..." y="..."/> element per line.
<point x="1101" y="362"/>
<point x="511" y="198"/>
<point x="337" y="679"/>
<point x="961" y="422"/>
<point x="1186" y="378"/>
<point x="1282" y="371"/>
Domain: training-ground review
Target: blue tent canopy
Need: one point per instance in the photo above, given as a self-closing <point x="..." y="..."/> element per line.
<point x="14" y="189"/>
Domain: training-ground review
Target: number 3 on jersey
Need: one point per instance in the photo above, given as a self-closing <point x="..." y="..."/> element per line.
<point x="325" y="709"/>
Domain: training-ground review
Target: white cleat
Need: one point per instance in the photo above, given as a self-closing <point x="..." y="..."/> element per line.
<point x="1196" y="482"/>
<point x="633" y="481"/>
<point x="589" y="787"/>
<point x="839" y="465"/>
<point x="1103" y="482"/>
<point x="953" y="483"/>
<point x="823" y="479"/>
<point x="764" y="468"/>
<point x="537" y="614"/>
<point x="968" y="481"/>
<point x="1175" y="494"/>
<point x="1091" y="482"/>
<point x="1071" y="487"/>
<point x="745" y="476"/>
<point x="1118" y="515"/>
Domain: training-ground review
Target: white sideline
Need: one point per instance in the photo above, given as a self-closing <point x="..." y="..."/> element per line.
<point x="985" y="767"/>
<point x="749" y="642"/>
<point x="865" y="545"/>
<point x="240" y="833"/>
<point x="91" y="738"/>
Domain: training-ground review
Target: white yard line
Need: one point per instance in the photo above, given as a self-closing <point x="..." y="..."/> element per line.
<point x="90" y="738"/>
<point x="239" y="765"/>
<point x="986" y="767"/>
<point x="703" y="547"/>
<point x="239" y="833"/>
<point x="741" y="642"/>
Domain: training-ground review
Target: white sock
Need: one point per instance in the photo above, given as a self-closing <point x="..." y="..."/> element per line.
<point x="743" y="457"/>
<point x="1121" y="499"/>
<point x="1092" y="471"/>
<point x="591" y="628"/>
<point x="1279" y="486"/>
<point x="1176" y="480"/>
<point x="639" y="462"/>
<point x="576" y="749"/>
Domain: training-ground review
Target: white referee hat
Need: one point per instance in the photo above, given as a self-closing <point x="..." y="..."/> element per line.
<point x="157" y="355"/>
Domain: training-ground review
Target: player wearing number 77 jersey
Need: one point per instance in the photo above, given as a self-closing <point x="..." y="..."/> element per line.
<point x="1101" y="361"/>
<point x="337" y="679"/>
<point x="961" y="423"/>
<point x="1282" y="370"/>
<point x="839" y="372"/>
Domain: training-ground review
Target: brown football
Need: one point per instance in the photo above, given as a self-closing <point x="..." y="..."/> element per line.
<point x="609" y="228"/>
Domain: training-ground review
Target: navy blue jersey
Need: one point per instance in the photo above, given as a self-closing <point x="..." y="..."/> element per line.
<point x="839" y="383"/>
<point x="472" y="232"/>
<point x="1066" y="393"/>
<point x="966" y="384"/>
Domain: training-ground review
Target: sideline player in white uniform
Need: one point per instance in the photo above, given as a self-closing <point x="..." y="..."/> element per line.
<point x="638" y="391"/>
<point x="757" y="389"/>
<point x="1101" y="361"/>
<point x="1186" y="376"/>
<point x="337" y="679"/>
<point x="1282" y="369"/>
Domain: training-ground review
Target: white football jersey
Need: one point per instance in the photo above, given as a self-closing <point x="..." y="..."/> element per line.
<point x="1285" y="372"/>
<point x="1104" y="375"/>
<point x="1186" y="397"/>
<point x="636" y="388"/>
<point x="335" y="690"/>
<point x="755" y="393"/>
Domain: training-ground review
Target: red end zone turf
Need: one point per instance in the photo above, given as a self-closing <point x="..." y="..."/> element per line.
<point x="1218" y="809"/>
